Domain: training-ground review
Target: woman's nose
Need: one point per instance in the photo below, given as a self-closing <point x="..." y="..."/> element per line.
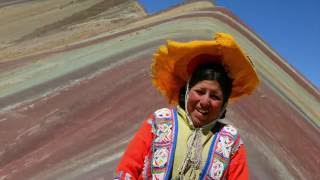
<point x="205" y="100"/>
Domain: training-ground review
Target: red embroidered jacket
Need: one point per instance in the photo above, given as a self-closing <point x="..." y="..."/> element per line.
<point x="132" y="163"/>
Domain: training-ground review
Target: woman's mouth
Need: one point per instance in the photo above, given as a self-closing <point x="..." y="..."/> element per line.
<point x="203" y="112"/>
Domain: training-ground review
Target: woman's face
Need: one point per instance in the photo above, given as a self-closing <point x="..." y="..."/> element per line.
<point x="205" y="102"/>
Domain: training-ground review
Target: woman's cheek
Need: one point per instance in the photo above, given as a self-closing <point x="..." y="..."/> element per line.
<point x="216" y="105"/>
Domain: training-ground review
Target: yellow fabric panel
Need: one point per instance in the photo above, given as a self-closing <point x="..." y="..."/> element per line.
<point x="184" y="131"/>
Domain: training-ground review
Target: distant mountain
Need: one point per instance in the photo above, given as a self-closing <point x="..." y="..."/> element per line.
<point x="28" y="27"/>
<point x="75" y="86"/>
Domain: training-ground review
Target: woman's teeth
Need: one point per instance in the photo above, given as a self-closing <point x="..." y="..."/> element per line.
<point x="204" y="112"/>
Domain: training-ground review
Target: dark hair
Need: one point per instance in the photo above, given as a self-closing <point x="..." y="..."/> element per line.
<point x="209" y="72"/>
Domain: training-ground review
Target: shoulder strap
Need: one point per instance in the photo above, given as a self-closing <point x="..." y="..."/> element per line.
<point x="164" y="143"/>
<point x="223" y="147"/>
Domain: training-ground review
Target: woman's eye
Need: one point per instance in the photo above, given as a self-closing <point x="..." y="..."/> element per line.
<point x="199" y="92"/>
<point x="215" y="97"/>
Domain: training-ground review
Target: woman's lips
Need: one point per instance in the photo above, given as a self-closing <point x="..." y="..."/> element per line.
<point x="202" y="112"/>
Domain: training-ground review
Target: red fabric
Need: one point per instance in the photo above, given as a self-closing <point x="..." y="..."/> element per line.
<point x="238" y="167"/>
<point x="133" y="159"/>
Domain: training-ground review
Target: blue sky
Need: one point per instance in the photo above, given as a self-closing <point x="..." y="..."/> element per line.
<point x="291" y="28"/>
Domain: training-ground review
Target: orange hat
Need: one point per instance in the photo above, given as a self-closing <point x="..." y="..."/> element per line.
<point x="174" y="63"/>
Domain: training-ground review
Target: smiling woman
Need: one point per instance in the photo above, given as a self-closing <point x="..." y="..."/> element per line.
<point x="205" y="102"/>
<point x="188" y="141"/>
<point x="210" y="88"/>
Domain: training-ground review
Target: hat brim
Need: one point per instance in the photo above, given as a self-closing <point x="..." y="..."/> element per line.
<point x="174" y="63"/>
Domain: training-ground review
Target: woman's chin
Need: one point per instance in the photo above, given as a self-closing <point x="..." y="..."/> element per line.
<point x="198" y="121"/>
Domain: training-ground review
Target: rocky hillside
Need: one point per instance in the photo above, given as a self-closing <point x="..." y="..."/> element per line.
<point x="31" y="26"/>
<point x="75" y="86"/>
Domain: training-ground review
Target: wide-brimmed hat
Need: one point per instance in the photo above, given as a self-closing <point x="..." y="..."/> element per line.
<point x="174" y="63"/>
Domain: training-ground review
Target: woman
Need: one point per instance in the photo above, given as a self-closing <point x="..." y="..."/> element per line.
<point x="187" y="141"/>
